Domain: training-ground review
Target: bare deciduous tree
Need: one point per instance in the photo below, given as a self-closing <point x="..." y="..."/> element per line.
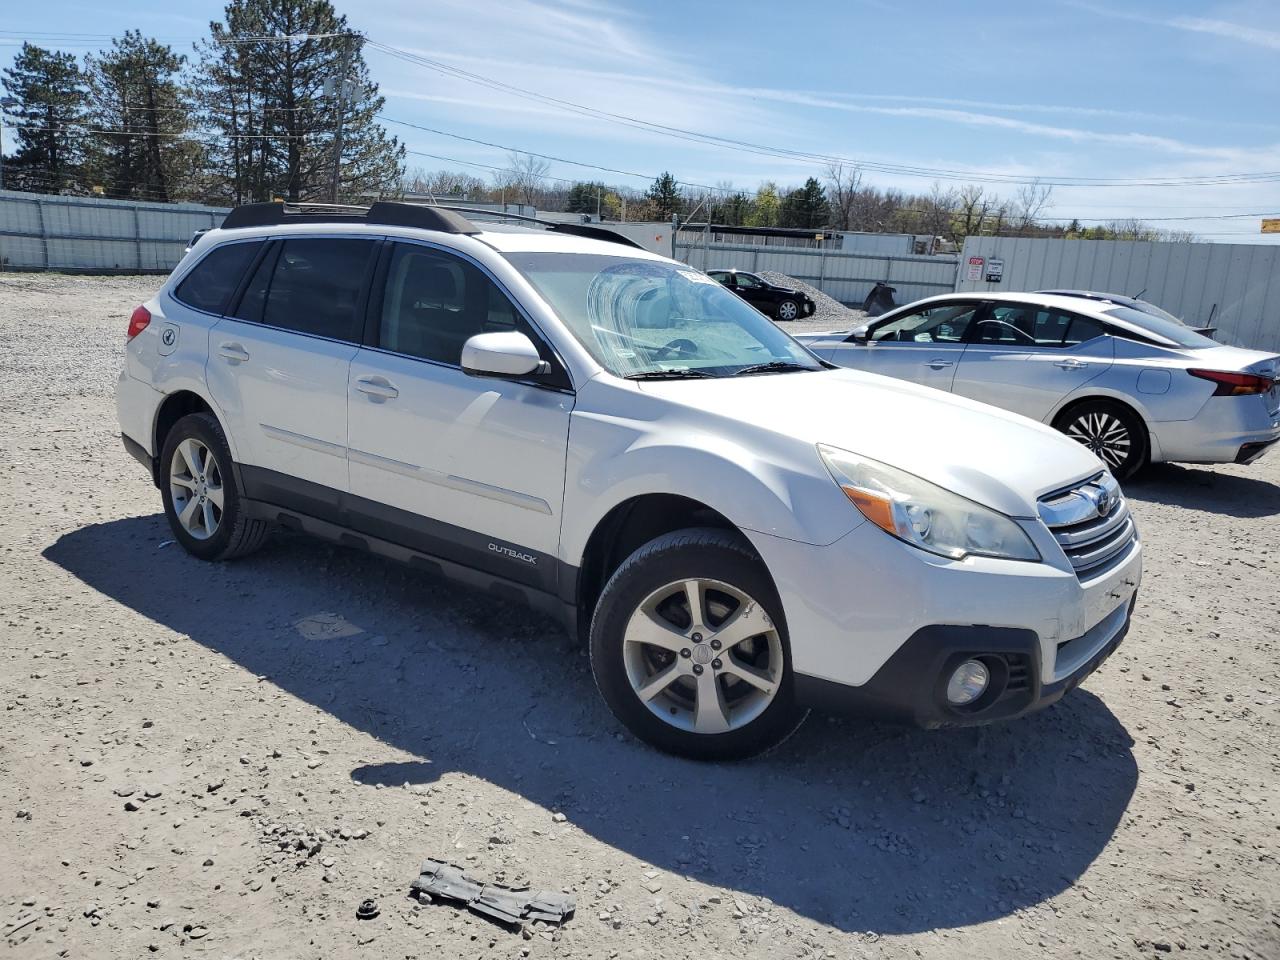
<point x="526" y="175"/>
<point x="1031" y="200"/>
<point x="843" y="185"/>
<point x="974" y="205"/>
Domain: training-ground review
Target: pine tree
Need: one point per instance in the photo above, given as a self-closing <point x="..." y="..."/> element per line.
<point x="142" y="146"/>
<point x="277" y="120"/>
<point x="52" y="100"/>
<point x="807" y="207"/>
<point x="663" y="197"/>
<point x="582" y="197"/>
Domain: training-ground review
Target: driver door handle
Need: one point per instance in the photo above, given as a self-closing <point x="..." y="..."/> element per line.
<point x="1070" y="364"/>
<point x="940" y="364"/>
<point x="380" y="388"/>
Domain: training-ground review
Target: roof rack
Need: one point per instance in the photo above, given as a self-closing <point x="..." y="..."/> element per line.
<point x="444" y="218"/>
<point x="573" y="229"/>
<point x="382" y="212"/>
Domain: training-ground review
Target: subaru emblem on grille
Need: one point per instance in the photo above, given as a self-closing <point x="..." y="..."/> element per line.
<point x="1100" y="497"/>
<point x="1104" y="502"/>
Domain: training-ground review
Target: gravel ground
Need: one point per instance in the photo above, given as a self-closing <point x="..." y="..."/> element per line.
<point x="224" y="761"/>
<point x="828" y="313"/>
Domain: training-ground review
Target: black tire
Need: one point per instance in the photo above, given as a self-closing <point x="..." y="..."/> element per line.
<point x="708" y="554"/>
<point x="1099" y="424"/>
<point x="235" y="534"/>
<point x="788" y="306"/>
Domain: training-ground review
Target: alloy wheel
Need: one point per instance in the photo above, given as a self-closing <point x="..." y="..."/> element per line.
<point x="1104" y="434"/>
<point x="195" y="487"/>
<point x="787" y="310"/>
<point x="703" y="656"/>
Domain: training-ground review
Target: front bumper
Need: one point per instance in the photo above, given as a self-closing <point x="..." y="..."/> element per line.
<point x="875" y="625"/>
<point x="911" y="686"/>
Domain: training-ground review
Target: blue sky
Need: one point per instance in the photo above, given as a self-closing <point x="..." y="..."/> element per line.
<point x="1127" y="89"/>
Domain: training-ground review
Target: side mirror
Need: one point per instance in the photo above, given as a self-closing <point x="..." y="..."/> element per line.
<point x="508" y="354"/>
<point x="859" y="334"/>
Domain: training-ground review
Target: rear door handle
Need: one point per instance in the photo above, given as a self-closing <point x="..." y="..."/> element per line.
<point x="940" y="364"/>
<point x="379" y="388"/>
<point x="1070" y="364"/>
<point x="233" y="351"/>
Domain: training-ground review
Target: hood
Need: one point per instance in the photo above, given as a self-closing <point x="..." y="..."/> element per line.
<point x="999" y="459"/>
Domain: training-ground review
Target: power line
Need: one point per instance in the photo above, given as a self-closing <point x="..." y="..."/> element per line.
<point x="942" y="173"/>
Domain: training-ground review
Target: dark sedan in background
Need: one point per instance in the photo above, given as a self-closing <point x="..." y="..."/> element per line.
<point x="781" y="303"/>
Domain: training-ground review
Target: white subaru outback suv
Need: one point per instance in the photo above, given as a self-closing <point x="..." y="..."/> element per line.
<point x="741" y="530"/>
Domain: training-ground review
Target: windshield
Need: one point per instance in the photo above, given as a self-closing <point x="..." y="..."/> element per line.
<point x="650" y="318"/>
<point x="1173" y="330"/>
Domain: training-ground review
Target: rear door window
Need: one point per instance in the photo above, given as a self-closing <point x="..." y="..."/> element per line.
<point x="211" y="283"/>
<point x="1030" y="325"/>
<point x="315" y="287"/>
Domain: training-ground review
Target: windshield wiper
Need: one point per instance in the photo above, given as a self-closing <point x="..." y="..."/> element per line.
<point x="773" y="366"/>
<point x="685" y="374"/>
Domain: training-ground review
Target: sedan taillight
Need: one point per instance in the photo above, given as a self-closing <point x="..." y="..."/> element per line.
<point x="1234" y="384"/>
<point x="138" y="321"/>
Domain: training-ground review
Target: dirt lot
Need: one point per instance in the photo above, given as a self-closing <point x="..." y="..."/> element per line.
<point x="224" y="761"/>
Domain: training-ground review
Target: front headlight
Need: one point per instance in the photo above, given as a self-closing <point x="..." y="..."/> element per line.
<point x="924" y="514"/>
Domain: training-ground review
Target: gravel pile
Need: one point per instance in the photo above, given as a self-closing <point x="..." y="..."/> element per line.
<point x="828" y="314"/>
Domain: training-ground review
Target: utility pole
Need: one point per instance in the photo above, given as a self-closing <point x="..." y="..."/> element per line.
<point x="339" y="87"/>
<point x="6" y="103"/>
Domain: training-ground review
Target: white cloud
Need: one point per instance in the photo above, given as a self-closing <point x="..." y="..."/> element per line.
<point x="1225" y="28"/>
<point x="1244" y="33"/>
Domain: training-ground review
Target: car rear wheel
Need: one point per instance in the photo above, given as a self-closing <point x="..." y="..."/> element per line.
<point x="689" y="649"/>
<point x="788" y="310"/>
<point x="201" y="500"/>
<point x="1113" y="432"/>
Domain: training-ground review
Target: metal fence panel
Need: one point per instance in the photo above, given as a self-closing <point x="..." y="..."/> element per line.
<point x="1235" y="284"/>
<point x="50" y="232"/>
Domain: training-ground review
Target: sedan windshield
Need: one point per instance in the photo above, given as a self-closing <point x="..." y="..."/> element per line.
<point x="1173" y="330"/>
<point x="651" y="319"/>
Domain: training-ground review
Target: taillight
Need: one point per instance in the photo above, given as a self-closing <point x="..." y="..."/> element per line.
<point x="1234" y="384"/>
<point x="138" y="321"/>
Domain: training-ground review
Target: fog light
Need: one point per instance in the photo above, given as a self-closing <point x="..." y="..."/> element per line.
<point x="968" y="683"/>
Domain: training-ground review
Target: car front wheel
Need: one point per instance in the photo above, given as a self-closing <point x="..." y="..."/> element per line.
<point x="689" y="649"/>
<point x="788" y="310"/>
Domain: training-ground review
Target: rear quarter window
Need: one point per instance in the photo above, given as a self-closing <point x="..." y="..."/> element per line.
<point x="211" y="283"/>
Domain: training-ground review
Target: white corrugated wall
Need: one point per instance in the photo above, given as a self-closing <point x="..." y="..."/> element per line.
<point x="49" y="232"/>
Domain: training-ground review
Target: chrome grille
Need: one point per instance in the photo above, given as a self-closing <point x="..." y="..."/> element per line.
<point x="1091" y="523"/>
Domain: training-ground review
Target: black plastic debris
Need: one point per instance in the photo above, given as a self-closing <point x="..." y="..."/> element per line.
<point x="367" y="910"/>
<point x="879" y="300"/>
<point x="509" y="906"/>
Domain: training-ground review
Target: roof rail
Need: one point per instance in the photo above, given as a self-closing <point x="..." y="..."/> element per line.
<point x="382" y="212"/>
<point x="574" y="229"/>
<point x="444" y="218"/>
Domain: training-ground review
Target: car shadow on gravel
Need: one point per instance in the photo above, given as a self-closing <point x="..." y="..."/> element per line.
<point x="1200" y="488"/>
<point x="863" y="827"/>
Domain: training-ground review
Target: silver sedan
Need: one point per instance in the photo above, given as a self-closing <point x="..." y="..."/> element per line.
<point x="1132" y="387"/>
